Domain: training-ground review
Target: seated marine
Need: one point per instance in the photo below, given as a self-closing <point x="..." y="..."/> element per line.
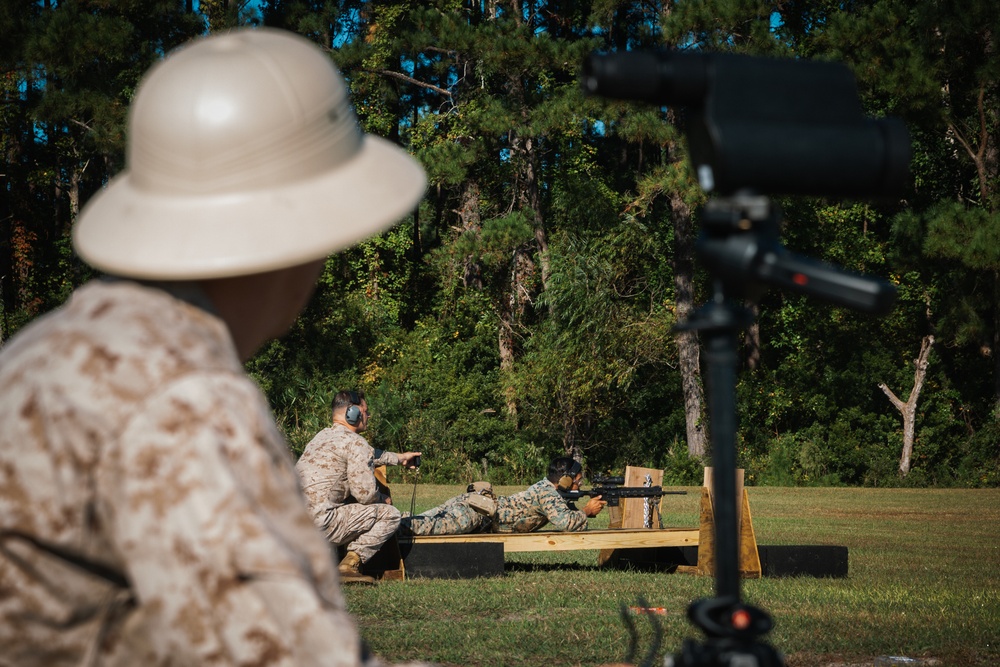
<point x="537" y="506"/>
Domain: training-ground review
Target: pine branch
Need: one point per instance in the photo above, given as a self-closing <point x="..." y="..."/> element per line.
<point x="410" y="79"/>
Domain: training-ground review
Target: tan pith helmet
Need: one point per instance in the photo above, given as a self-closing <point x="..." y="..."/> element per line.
<point x="244" y="156"/>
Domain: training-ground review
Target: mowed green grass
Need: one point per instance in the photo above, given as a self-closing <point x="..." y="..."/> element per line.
<point x="924" y="582"/>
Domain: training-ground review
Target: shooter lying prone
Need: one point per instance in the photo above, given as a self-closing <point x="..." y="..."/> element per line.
<point x="479" y="511"/>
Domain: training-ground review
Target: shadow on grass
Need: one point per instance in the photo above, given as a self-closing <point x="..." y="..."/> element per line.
<point x="578" y="567"/>
<point x="549" y="567"/>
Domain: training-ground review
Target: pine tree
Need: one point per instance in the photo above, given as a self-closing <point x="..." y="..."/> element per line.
<point x="937" y="65"/>
<point x="70" y="70"/>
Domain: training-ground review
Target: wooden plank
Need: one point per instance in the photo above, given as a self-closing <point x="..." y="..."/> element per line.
<point x="588" y="539"/>
<point x="633" y="509"/>
<point x="706" y="536"/>
<point x="750" y="567"/>
<point x="630" y="512"/>
<point x="709" y="483"/>
<point x="749" y="559"/>
<point x="614" y="521"/>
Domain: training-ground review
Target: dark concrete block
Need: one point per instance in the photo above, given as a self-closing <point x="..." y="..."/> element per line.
<point x="464" y="560"/>
<point x="803" y="560"/>
<point x="775" y="561"/>
<point x="654" y="559"/>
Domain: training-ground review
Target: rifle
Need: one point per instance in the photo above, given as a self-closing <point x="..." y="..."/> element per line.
<point x="612" y="492"/>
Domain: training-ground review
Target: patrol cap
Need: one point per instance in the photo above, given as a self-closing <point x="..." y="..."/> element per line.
<point x="244" y="155"/>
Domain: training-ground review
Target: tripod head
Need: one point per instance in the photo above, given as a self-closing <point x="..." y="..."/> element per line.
<point x="739" y="244"/>
<point x="755" y="127"/>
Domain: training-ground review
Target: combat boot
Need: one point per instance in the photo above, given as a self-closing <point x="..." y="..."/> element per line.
<point x="350" y="570"/>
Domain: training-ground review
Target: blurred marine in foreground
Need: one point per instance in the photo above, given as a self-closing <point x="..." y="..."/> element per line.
<point x="150" y="512"/>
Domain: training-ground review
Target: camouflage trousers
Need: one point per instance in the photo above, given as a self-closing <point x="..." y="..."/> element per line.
<point x="362" y="528"/>
<point x="452" y="517"/>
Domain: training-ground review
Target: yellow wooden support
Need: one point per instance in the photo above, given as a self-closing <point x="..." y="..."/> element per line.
<point x="749" y="559"/>
<point x="634" y="509"/>
<point x="387" y="563"/>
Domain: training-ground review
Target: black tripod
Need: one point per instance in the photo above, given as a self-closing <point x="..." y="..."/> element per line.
<point x="757" y="125"/>
<point x="740" y="247"/>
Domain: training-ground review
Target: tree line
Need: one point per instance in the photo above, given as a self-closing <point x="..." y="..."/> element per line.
<point x="528" y="307"/>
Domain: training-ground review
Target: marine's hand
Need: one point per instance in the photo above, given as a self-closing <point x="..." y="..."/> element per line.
<point x="594" y="506"/>
<point x="407" y="460"/>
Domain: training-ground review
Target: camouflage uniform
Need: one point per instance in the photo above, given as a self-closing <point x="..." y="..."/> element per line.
<point x="453" y="517"/>
<point x="337" y="469"/>
<point x="149" y="510"/>
<point x="538" y="505"/>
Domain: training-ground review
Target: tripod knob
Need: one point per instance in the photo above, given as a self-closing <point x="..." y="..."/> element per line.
<point x="724" y="617"/>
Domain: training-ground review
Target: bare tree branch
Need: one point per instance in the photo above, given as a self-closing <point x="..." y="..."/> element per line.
<point x="977" y="155"/>
<point x="415" y="82"/>
<point x="909" y="407"/>
<point x="438" y="49"/>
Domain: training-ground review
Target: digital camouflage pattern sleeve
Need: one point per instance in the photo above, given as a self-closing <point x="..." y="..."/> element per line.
<point x="535" y="507"/>
<point x="385" y="458"/>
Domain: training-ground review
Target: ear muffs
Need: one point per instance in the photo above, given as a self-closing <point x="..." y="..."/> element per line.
<point x="565" y="482"/>
<point x="353" y="414"/>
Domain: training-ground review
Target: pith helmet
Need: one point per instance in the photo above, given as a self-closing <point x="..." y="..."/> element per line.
<point x="244" y="156"/>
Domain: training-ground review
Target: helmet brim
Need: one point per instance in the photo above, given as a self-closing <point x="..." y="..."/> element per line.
<point x="130" y="231"/>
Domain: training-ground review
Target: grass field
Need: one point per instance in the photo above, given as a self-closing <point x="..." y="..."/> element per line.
<point x="924" y="582"/>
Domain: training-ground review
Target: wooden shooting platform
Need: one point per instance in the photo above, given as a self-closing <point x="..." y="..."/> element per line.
<point x="634" y="535"/>
<point x="612" y="538"/>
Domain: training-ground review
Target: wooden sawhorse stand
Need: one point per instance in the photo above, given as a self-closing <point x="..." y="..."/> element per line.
<point x="632" y="515"/>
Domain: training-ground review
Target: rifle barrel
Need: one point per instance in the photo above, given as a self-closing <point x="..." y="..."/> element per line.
<point x="623" y="492"/>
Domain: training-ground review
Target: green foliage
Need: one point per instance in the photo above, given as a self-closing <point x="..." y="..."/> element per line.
<point x="680" y="468"/>
<point x="435" y="390"/>
<point x="70" y="69"/>
<point x="826" y="454"/>
<point x="980" y="462"/>
<point x="549" y="227"/>
<point x="611" y="324"/>
<point x="970" y="236"/>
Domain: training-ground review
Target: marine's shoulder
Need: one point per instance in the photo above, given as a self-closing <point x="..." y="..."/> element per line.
<point x="543" y="487"/>
<point x="351" y="438"/>
<point x="334" y="440"/>
<point x="109" y="326"/>
<point x="112" y="348"/>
